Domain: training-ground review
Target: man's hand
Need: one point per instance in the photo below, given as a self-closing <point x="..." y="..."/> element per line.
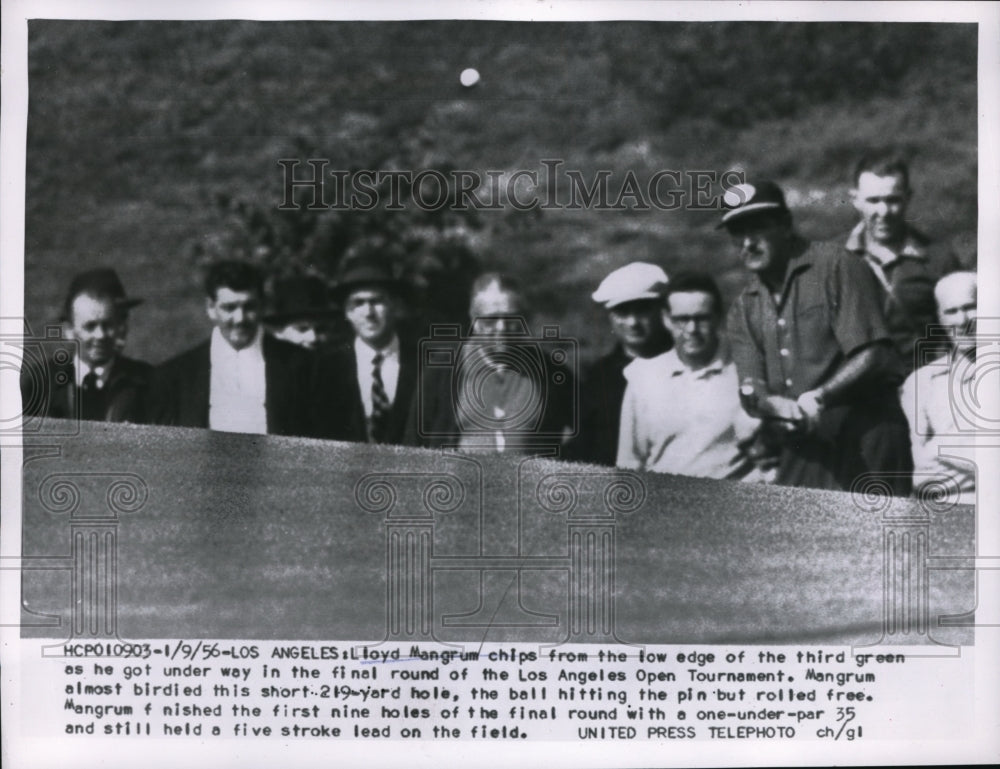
<point x="785" y="414"/>
<point x="811" y="405"/>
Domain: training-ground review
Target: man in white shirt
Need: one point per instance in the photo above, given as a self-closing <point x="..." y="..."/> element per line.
<point x="367" y="382"/>
<point x="240" y="380"/>
<point x="932" y="395"/>
<point x="681" y="413"/>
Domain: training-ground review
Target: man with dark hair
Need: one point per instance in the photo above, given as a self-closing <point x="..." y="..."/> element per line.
<point x="813" y="353"/>
<point x="633" y="298"/>
<point x="681" y="411"/>
<point x="97" y="382"/>
<point x="367" y="382"/>
<point x="240" y="379"/>
<point x="904" y="261"/>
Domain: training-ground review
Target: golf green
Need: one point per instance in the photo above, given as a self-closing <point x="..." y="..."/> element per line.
<point x="197" y="534"/>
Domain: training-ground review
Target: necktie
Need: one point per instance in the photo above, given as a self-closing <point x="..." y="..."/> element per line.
<point x="380" y="403"/>
<point x="91" y="398"/>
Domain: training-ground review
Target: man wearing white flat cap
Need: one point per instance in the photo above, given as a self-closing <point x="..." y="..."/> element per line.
<point x="633" y="298"/>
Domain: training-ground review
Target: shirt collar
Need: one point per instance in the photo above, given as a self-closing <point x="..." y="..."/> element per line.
<point x="914" y="246"/>
<point x="82" y="368"/>
<point x="221" y="348"/>
<point x="671" y="364"/>
<point x="937" y="370"/>
<point x="365" y="353"/>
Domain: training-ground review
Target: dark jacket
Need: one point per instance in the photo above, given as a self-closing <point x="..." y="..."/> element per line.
<point x="339" y="411"/>
<point x="50" y="390"/>
<point x="433" y="420"/>
<point x="179" y="394"/>
<point x="601" y="396"/>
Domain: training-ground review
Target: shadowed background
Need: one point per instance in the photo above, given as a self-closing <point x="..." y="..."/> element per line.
<point x="153" y="146"/>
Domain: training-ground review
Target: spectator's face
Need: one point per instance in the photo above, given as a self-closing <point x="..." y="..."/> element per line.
<point x="236" y="314"/>
<point x="100" y="328"/>
<point x="495" y="315"/>
<point x="882" y="201"/>
<point x="694" y="321"/>
<point x="638" y="325"/>
<point x="762" y="242"/>
<point x="372" y="312"/>
<point x="304" y="332"/>
<point x="956" y="302"/>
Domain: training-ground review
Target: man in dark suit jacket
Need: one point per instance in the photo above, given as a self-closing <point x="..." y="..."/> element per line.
<point x="240" y="379"/>
<point x="366" y="382"/>
<point x="93" y="381"/>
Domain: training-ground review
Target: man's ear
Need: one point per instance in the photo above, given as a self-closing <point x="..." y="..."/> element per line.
<point x="210" y="308"/>
<point x="855" y="200"/>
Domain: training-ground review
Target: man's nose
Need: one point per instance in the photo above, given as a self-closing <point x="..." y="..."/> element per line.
<point x="881" y="208"/>
<point x="100" y="332"/>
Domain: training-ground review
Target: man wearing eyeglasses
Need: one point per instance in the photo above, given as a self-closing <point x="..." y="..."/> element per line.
<point x="681" y="413"/>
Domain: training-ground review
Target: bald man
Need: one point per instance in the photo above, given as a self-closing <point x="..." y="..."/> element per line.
<point x="930" y="392"/>
<point x="497" y="390"/>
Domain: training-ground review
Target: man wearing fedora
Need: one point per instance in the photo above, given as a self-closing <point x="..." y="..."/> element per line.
<point x="97" y="382"/>
<point x="301" y="312"/>
<point x="241" y="379"/>
<point x="633" y="298"/>
<point x="366" y="382"/>
<point x="813" y="353"/>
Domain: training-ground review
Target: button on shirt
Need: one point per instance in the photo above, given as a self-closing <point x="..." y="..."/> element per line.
<point x="828" y="309"/>
<point x="683" y="421"/>
<point x="238" y="386"/>
<point x="364" y="354"/>
<point x="927" y="398"/>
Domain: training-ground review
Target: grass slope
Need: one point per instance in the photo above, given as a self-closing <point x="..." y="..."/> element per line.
<point x="137" y="128"/>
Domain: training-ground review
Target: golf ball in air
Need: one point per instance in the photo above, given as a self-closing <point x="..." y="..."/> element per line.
<point x="469" y="77"/>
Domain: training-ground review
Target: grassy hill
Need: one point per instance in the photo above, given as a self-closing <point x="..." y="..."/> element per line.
<point x="154" y="145"/>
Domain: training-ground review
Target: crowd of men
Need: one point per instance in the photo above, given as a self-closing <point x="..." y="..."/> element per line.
<point x="816" y="376"/>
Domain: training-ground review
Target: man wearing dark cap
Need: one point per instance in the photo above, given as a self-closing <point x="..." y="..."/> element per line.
<point x="812" y="350"/>
<point x="97" y="382"/>
<point x="904" y="261"/>
<point x="241" y="379"/>
<point x="366" y="383"/>
<point x="301" y="313"/>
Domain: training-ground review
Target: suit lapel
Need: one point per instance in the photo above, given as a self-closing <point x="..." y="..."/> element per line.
<point x="404" y="388"/>
<point x="201" y="384"/>
<point x="276" y="383"/>
<point x="353" y="402"/>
